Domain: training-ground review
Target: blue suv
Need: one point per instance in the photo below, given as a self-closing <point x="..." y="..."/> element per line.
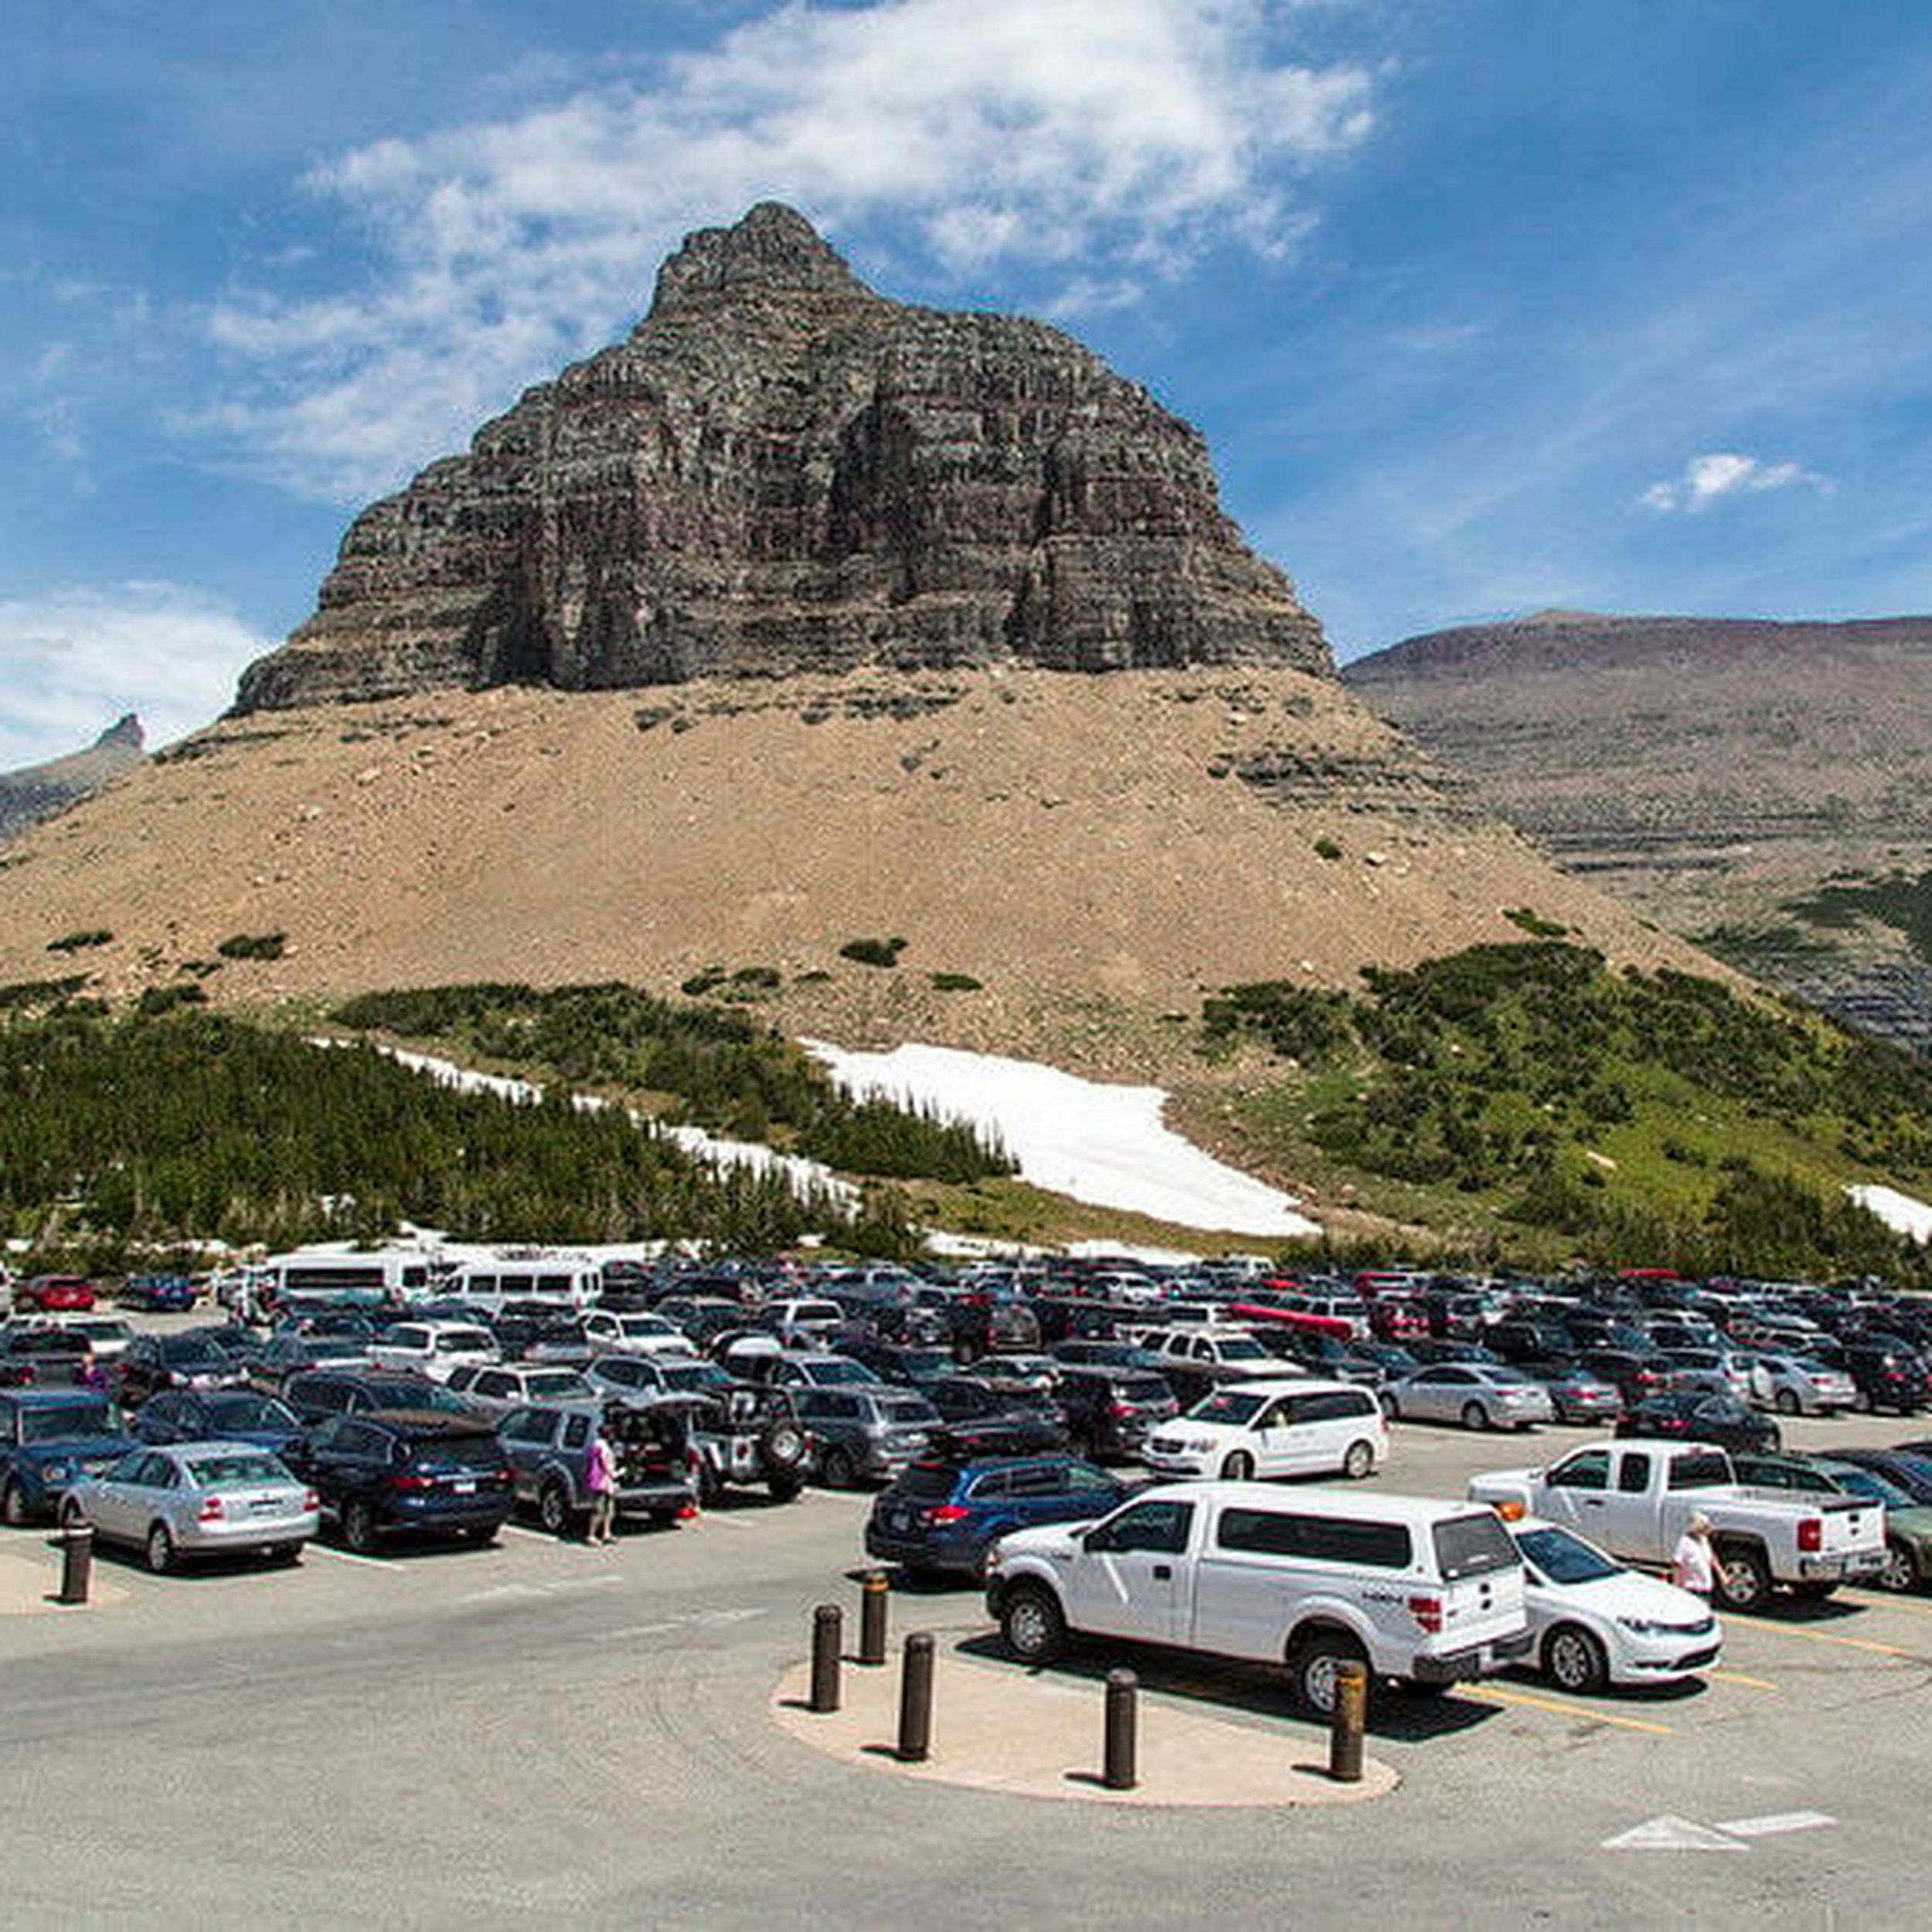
<point x="946" y="1516"/>
<point x="50" y="1438"/>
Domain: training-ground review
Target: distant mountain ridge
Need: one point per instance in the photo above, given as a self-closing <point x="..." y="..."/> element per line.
<point x="37" y="792"/>
<point x="1763" y="787"/>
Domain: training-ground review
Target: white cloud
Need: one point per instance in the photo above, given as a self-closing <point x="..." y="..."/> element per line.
<point x="1722" y="473"/>
<point x="76" y="659"/>
<point x="1129" y="134"/>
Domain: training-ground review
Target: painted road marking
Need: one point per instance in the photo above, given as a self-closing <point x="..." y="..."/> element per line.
<point x="1820" y="1636"/>
<point x="1738" y="1676"/>
<point x="1670" y="1833"/>
<point x="1773" y="1822"/>
<point x="1489" y="1694"/>
<point x="348" y="1556"/>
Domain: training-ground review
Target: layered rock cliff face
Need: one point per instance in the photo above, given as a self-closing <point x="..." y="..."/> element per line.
<point x="38" y="792"/>
<point x="1764" y="788"/>
<point x="781" y="472"/>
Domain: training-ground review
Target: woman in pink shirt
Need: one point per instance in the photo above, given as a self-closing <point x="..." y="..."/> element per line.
<point x="600" y="1479"/>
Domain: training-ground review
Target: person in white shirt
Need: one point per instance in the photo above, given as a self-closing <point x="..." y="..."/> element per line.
<point x="1692" y="1567"/>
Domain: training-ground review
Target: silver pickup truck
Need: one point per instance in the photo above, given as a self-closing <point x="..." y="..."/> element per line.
<point x="1634" y="1498"/>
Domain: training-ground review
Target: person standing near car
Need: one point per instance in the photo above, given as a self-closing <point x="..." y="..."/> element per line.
<point x="600" y="1480"/>
<point x="1692" y="1565"/>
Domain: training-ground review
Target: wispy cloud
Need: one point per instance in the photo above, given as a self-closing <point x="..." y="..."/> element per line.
<point x="1709" y="478"/>
<point x="77" y="658"/>
<point x="1130" y="133"/>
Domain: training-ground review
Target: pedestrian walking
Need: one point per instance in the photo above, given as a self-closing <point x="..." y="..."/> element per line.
<point x="1692" y="1567"/>
<point x="601" y="1482"/>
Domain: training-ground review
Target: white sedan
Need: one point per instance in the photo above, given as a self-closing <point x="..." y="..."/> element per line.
<point x="1796" y="1385"/>
<point x="1595" y="1622"/>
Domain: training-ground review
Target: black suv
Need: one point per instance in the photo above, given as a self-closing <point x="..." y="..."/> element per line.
<point x="1111" y="1411"/>
<point x="406" y="1470"/>
<point x="1887" y="1377"/>
<point x="983" y="1421"/>
<point x="316" y="1394"/>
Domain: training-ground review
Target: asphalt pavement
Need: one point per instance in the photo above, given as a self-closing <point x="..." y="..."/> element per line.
<point x="453" y="1736"/>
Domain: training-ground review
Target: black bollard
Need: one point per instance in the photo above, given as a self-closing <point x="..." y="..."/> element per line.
<point x="1348" y="1721"/>
<point x="1119" y="1772"/>
<point x="827" y="1640"/>
<point x="77" y="1563"/>
<point x="872" y="1618"/>
<point x="916" y="1699"/>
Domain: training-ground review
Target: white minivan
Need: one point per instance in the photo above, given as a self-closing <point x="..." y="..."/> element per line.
<point x="1284" y="1428"/>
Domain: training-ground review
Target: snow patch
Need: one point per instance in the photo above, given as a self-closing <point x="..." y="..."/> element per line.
<point x="1898" y="1212"/>
<point x="1102" y="1144"/>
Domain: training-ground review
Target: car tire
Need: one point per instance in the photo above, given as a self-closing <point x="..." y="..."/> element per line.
<point x="783" y="1447"/>
<point x="1360" y="1462"/>
<point x="1785" y="1402"/>
<point x="1475" y="1415"/>
<point x="784" y="1488"/>
<point x="553" y="1509"/>
<point x="1391" y="1408"/>
<point x="13" y="1505"/>
<point x="1743" y="1578"/>
<point x="158" y="1551"/>
<point x="482" y="1535"/>
<point x="359" y="1528"/>
<point x="1901" y="1570"/>
<point x="1032" y="1623"/>
<point x="708" y="1483"/>
<point x="1238" y="1468"/>
<point x="837" y="1471"/>
<point x="1574" y="1659"/>
<point x="1311" y="1670"/>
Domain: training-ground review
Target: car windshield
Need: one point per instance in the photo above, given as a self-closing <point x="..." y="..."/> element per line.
<point x="556" y="1385"/>
<point x="694" y="1375"/>
<point x="1565" y="1559"/>
<point x="250" y="1411"/>
<point x="835" y="1373"/>
<point x="1243" y="1348"/>
<point x="59" y="1422"/>
<point x="1226" y="1405"/>
<point x="230" y="1472"/>
<point x="191" y="1350"/>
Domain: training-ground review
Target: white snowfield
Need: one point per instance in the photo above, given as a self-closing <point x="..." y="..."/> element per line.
<point x="1898" y="1212"/>
<point x="1102" y="1144"/>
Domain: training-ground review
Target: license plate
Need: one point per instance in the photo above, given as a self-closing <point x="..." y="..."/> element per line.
<point x="466" y="1487"/>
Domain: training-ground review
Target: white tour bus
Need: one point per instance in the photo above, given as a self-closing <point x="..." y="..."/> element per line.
<point x="390" y="1276"/>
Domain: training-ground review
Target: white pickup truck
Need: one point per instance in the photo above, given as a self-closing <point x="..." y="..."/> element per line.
<point x="1634" y="1497"/>
<point x="1423" y="1591"/>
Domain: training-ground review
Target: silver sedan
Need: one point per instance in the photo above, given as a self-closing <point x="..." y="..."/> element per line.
<point x="195" y="1499"/>
<point x="1479" y="1395"/>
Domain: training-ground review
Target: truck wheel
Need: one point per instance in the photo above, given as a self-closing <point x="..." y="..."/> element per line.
<point x="1312" y="1667"/>
<point x="1574" y="1660"/>
<point x="1743" y="1577"/>
<point x="1032" y="1623"/>
<point x="553" y="1508"/>
<point x="1475" y="1415"/>
<point x="1900" y="1572"/>
<point x="1359" y="1461"/>
<point x="1239" y="1467"/>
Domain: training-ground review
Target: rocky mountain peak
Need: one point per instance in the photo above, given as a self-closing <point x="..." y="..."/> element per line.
<point x="773" y="250"/>
<point x="124" y="734"/>
<point x="780" y="472"/>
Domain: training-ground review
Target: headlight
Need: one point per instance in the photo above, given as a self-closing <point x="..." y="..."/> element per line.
<point x="1643" y="1627"/>
<point x="57" y="1471"/>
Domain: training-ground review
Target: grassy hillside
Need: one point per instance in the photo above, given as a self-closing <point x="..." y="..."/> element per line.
<point x="1530" y="1097"/>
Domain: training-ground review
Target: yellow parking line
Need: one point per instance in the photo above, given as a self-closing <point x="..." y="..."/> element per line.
<point x="1738" y="1676"/>
<point x="1816" y="1636"/>
<point x="1875" y="1600"/>
<point x="1490" y="1693"/>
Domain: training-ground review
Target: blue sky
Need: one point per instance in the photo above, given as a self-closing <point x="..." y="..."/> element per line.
<point x="1483" y="307"/>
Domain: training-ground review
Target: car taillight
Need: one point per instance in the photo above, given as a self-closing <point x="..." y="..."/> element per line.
<point x="404" y="1479"/>
<point x="1120" y="1411"/>
<point x="310" y="1502"/>
<point x="1810" y="1534"/>
<point x="1427" y="1612"/>
<point x="948" y="1512"/>
<point x="212" y="1510"/>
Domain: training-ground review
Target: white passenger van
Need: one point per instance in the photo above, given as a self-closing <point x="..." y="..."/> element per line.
<point x="373" y="1277"/>
<point x="1273" y="1428"/>
<point x="567" y="1280"/>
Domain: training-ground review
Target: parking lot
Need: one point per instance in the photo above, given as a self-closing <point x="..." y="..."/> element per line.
<point x="426" y="1736"/>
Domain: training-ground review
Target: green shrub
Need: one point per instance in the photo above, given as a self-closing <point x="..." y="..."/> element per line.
<point x="700" y="983"/>
<point x="1523" y="917"/>
<point x="253" y="946"/>
<point x="80" y="942"/>
<point x="956" y="983"/>
<point x="1327" y="848"/>
<point x="872" y="952"/>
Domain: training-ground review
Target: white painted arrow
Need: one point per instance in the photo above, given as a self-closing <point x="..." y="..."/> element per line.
<point x="1669" y="1833"/>
<point x="1773" y="1822"/>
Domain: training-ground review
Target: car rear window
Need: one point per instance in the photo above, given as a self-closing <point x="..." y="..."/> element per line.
<point x="1139" y="1388"/>
<point x="1473" y="1546"/>
<point x="927" y="1480"/>
<point x="228" y="1472"/>
<point x="455" y="1452"/>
